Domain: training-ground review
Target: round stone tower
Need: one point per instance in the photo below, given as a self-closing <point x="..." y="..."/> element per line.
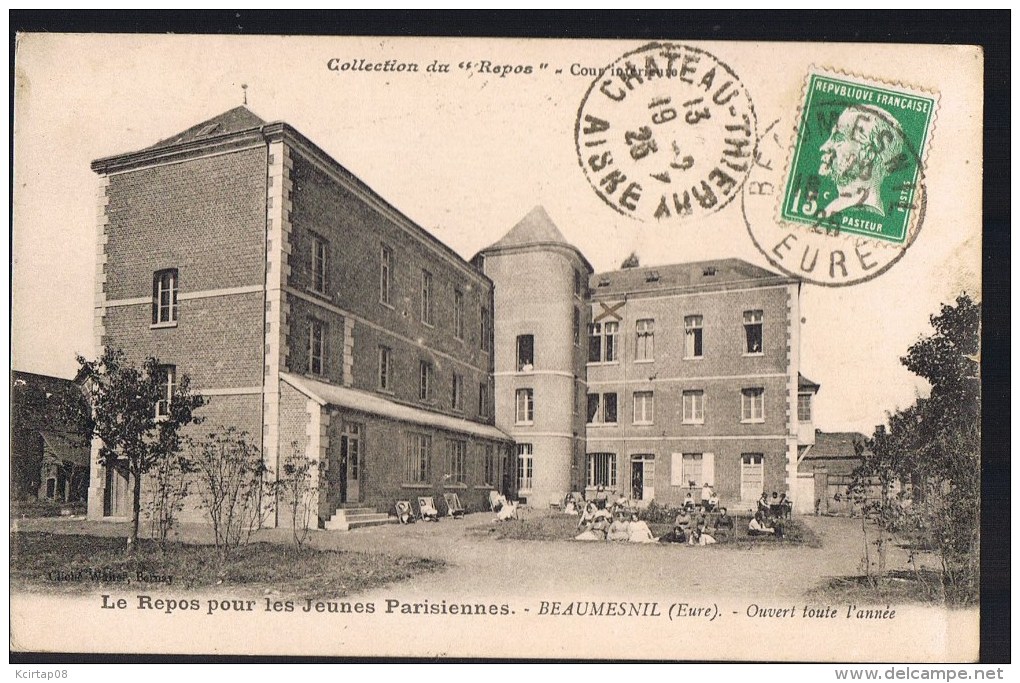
<point x="540" y="323"/>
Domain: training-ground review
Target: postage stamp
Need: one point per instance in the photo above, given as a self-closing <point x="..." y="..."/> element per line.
<point x="858" y="157"/>
<point x="852" y="197"/>
<point x="666" y="133"/>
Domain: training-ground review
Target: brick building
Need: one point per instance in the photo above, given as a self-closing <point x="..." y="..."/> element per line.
<point x="684" y="374"/>
<point x="324" y="323"/>
<point x="311" y="313"/>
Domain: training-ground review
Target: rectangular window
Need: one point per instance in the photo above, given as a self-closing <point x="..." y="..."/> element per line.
<point x="484" y="330"/>
<point x="609" y="408"/>
<point x="693" y="339"/>
<point x="645" y="349"/>
<point x="601" y="470"/>
<point x="692" y="470"/>
<point x="483" y="400"/>
<point x="167" y="378"/>
<point x="577" y="326"/>
<point x="418" y="458"/>
<point x="316" y="347"/>
<point x="752" y="405"/>
<point x="491" y="475"/>
<point x="525" y="352"/>
<point x="525" y="467"/>
<point x="692" y="473"/>
<point x="458" y="392"/>
<point x="385" y="274"/>
<point x="752" y="331"/>
<point x="458" y="314"/>
<point x="804" y="407"/>
<point x="694" y="406"/>
<point x="602" y="345"/>
<point x="164" y="297"/>
<point x="577" y="395"/>
<point x="457" y="465"/>
<point x="424" y="381"/>
<point x="602" y="408"/>
<point x="525" y="406"/>
<point x="577" y="282"/>
<point x="320" y="263"/>
<point x="426" y="297"/>
<point x="384" y="368"/>
<point x="644" y="407"/>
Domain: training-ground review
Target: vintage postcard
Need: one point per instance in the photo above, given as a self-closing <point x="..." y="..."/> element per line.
<point x="421" y="347"/>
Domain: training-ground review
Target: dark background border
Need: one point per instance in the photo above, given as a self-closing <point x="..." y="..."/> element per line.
<point x="988" y="29"/>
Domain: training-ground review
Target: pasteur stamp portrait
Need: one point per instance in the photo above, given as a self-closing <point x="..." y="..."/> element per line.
<point x="852" y="199"/>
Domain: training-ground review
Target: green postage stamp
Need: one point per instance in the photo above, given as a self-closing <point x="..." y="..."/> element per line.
<point x="857" y="164"/>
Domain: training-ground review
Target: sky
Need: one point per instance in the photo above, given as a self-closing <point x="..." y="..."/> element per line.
<point x="466" y="154"/>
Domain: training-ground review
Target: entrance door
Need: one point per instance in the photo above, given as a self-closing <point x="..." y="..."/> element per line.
<point x="642" y="477"/>
<point x="350" y="464"/>
<point x="115" y="498"/>
<point x="752" y="476"/>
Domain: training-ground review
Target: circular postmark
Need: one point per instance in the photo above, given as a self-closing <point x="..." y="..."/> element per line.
<point x="851" y="199"/>
<point x="667" y="132"/>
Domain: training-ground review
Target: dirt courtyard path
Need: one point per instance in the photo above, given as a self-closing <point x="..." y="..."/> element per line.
<point x="480" y="565"/>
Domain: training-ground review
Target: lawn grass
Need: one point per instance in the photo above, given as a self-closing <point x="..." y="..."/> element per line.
<point x="558" y="527"/>
<point x="256" y="567"/>
<point x="34" y="507"/>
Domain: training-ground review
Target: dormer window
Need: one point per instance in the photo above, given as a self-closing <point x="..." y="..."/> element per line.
<point x="603" y="282"/>
<point x="207" y="130"/>
<point x="652" y="276"/>
<point x="709" y="271"/>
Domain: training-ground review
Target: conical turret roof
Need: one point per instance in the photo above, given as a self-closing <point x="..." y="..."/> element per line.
<point x="535" y="229"/>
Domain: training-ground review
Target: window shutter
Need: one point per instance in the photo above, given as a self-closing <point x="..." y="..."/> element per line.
<point x="708" y="468"/>
<point x="676" y="470"/>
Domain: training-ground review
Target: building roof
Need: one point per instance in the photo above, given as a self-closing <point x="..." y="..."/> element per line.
<point x="232" y="121"/>
<point x="804" y="383"/>
<point x="536" y="229"/>
<point x="240" y="128"/>
<point x="355" y="399"/>
<point x="63" y="449"/>
<point x="37" y="400"/>
<point x="834" y="445"/>
<point x="696" y="275"/>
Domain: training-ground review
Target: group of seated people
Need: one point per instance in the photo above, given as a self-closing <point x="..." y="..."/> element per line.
<point x="696" y="530"/>
<point x="708" y="502"/>
<point x="603" y="524"/>
<point x="779" y="506"/>
<point x="762" y="524"/>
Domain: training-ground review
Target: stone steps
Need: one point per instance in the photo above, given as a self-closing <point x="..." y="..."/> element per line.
<point x="354" y="517"/>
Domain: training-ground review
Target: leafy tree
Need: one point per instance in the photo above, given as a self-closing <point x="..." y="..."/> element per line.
<point x="123" y="402"/>
<point x="928" y="461"/>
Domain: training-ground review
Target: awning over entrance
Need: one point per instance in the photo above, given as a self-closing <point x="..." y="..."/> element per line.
<point x="355" y="399"/>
